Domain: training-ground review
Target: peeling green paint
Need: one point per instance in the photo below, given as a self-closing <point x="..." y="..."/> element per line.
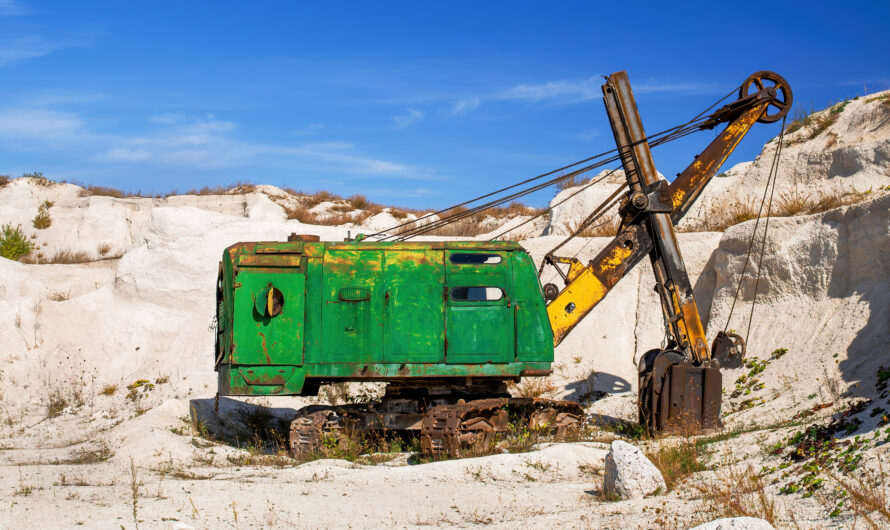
<point x="375" y="311"/>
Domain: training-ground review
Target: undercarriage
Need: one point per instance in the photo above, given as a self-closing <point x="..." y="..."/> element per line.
<point x="450" y="417"/>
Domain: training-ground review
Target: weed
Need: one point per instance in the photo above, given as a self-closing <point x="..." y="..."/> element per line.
<point x="56" y="404"/>
<point x="536" y="387"/>
<point x="867" y="495"/>
<point x="722" y="216"/>
<point x="135" y="486"/>
<point x="4" y="180"/>
<point x="38" y="178"/>
<point x="103" y="249"/>
<point x="677" y="461"/>
<point x="85" y="456"/>
<point x="108" y="390"/>
<point x="13" y="243"/>
<point x="740" y="493"/>
<point x="134" y="388"/>
<point x="59" y="296"/>
<point x="398" y="213"/>
<point x="607" y="228"/>
<point x="64" y="257"/>
<point x="359" y="202"/>
<point x="43" y="220"/>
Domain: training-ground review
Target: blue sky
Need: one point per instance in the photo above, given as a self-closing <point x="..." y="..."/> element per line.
<point x="413" y="103"/>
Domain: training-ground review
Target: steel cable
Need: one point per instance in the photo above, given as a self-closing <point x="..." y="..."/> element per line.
<point x="657" y="139"/>
<point x="771" y="180"/>
<point x="552" y="206"/>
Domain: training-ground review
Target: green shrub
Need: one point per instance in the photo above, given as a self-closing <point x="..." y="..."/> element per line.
<point x="42" y="220"/>
<point x="13" y="243"/>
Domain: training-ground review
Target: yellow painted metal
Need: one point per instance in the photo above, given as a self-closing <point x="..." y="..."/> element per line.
<point x="575" y="269"/>
<point x="584" y="292"/>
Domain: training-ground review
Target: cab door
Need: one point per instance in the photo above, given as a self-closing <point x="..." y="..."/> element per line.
<point x="413" y="306"/>
<point x="263" y="337"/>
<point x="479" y="318"/>
<point x="352" y="290"/>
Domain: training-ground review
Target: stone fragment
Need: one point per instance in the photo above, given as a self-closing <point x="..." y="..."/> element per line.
<point x="629" y="474"/>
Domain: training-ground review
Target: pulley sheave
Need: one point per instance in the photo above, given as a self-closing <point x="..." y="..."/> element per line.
<point x="779" y="107"/>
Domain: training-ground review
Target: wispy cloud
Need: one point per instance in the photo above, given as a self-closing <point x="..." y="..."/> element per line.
<point x="464" y="106"/>
<point x="23" y="48"/>
<point x="178" y="140"/>
<point x="209" y="143"/>
<point x="577" y="90"/>
<point x="571" y="90"/>
<point x="39" y="125"/>
<point x="11" y="8"/>
<point x="407" y="120"/>
<point x="52" y="98"/>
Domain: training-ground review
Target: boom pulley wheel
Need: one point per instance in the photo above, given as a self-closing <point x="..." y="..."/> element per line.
<point x="781" y="104"/>
<point x="551" y="291"/>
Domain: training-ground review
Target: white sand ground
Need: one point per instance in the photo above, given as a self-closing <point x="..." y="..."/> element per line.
<point x="146" y="312"/>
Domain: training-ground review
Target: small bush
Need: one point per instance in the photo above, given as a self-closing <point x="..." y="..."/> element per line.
<point x="13" y="243"/>
<point x="359" y="202"/>
<point x="4" y="180"/>
<point x="43" y="220"/>
<point x="398" y="213"/>
<point x="108" y="390"/>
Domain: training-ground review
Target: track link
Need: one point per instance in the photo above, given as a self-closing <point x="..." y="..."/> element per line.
<point x="317" y="425"/>
<point x="452" y="429"/>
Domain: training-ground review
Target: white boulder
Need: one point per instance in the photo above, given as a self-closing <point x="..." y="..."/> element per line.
<point x="629" y="474"/>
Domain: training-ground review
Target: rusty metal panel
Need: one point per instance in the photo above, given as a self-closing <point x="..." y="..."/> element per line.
<point x="270" y="260"/>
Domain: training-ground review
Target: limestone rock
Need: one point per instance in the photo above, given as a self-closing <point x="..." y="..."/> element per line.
<point x="629" y="473"/>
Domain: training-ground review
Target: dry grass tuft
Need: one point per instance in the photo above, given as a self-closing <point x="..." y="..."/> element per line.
<point x="729" y="213"/>
<point x="4" y="180"/>
<point x="106" y="191"/>
<point x="607" y="228"/>
<point x="812" y="123"/>
<point x="60" y="296"/>
<point x="677" y="460"/>
<point x="58" y="401"/>
<point x="535" y="387"/>
<point x="868" y="496"/>
<point x="789" y="203"/>
<point x="473" y="225"/>
<point x="108" y="390"/>
<point x="103" y="249"/>
<point x="739" y="493"/>
<point x="67" y="257"/>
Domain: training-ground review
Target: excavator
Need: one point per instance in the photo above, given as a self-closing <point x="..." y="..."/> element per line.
<point x="448" y="324"/>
